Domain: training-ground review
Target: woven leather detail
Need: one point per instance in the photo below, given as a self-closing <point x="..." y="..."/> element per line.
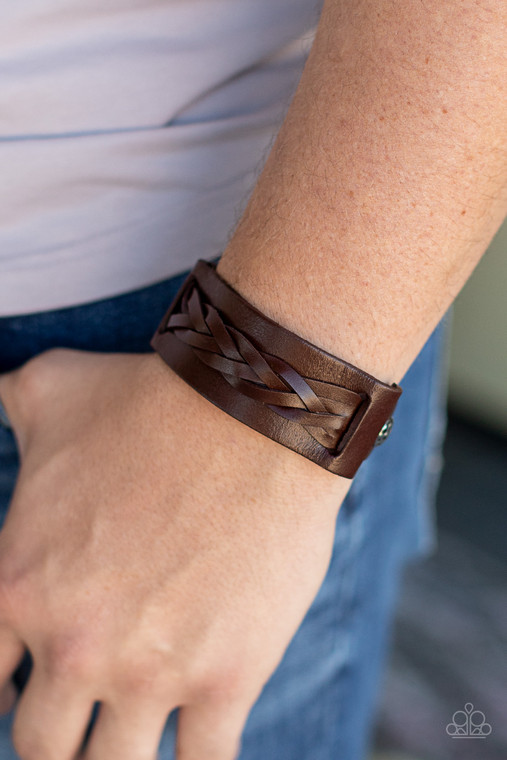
<point x="269" y="378"/>
<point x="322" y="408"/>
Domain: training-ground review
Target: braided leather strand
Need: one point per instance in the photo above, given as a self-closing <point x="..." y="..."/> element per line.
<point x="324" y="410"/>
<point x="271" y="379"/>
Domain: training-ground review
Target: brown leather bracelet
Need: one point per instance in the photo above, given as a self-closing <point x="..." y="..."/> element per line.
<point x="271" y="379"/>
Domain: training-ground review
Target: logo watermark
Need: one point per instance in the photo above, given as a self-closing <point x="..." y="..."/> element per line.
<point x="468" y="724"/>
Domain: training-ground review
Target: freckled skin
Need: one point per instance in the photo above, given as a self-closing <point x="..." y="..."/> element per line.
<point x="422" y="136"/>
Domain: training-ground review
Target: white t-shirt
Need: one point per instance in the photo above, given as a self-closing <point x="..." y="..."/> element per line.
<point x="131" y="134"/>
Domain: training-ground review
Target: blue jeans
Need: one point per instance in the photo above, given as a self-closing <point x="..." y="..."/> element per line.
<point x="319" y="703"/>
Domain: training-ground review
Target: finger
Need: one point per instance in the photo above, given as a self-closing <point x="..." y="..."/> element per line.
<point x="51" y="717"/>
<point x="11" y="653"/>
<point x="8" y="696"/>
<point x="4" y="420"/>
<point x="210" y="730"/>
<point x="10" y="416"/>
<point x="5" y="397"/>
<point x="127" y="730"/>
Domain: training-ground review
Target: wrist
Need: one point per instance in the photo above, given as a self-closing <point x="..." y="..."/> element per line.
<point x="296" y="300"/>
<point x="234" y="448"/>
<point x="271" y="379"/>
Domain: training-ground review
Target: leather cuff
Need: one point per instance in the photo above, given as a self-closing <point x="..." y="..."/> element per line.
<point x="271" y="379"/>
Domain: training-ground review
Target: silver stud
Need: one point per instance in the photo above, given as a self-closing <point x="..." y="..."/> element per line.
<point x="385" y="431"/>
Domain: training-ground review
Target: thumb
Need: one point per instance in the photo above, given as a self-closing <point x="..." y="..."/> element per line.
<point x="210" y="730"/>
<point x="10" y="410"/>
<point x="5" y="380"/>
<point x="4" y="420"/>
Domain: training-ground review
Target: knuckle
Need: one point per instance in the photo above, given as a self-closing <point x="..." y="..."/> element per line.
<point x="36" y="380"/>
<point x="71" y="656"/>
<point x="28" y="380"/>
<point x="30" y="383"/>
<point x="144" y="678"/>
<point x="37" y="374"/>
<point x="230" y="681"/>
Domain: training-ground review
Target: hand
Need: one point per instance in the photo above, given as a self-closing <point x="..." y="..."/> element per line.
<point x="157" y="554"/>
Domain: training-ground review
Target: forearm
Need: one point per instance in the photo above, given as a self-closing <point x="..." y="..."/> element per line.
<point x="386" y="182"/>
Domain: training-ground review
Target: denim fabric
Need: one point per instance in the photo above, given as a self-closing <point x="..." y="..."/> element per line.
<point x="318" y="705"/>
